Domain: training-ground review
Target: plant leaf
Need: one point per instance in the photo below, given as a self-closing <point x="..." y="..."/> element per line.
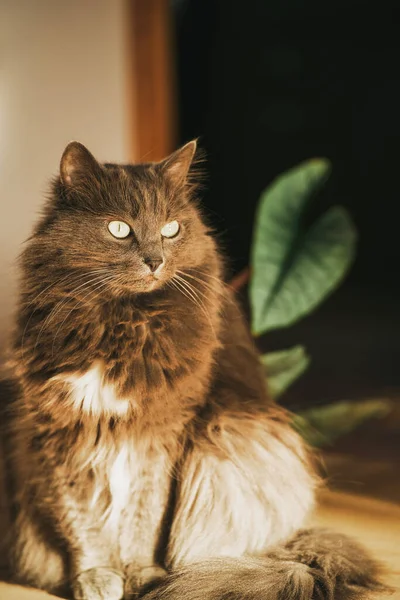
<point x="284" y="367"/>
<point x="294" y="270"/>
<point x="322" y="425"/>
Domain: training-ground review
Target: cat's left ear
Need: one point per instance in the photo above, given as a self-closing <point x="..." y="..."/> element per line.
<point x="78" y="163"/>
<point x="176" y="166"/>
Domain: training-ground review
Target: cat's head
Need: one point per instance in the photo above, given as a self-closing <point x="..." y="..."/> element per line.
<point x="135" y="226"/>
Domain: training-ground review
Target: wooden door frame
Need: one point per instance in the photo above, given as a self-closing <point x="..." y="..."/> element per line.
<point x="151" y="80"/>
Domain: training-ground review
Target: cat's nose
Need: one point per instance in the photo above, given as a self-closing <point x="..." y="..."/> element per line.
<point x="153" y="263"/>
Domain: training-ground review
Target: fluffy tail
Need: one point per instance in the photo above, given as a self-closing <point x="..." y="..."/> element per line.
<point x="314" y="565"/>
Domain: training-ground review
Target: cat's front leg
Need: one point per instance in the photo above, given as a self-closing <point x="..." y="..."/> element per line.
<point x="34" y="560"/>
<point x="96" y="569"/>
<point x="139" y="578"/>
<point x="142" y="539"/>
<point x="77" y="507"/>
<point x="98" y="583"/>
<point x="38" y="562"/>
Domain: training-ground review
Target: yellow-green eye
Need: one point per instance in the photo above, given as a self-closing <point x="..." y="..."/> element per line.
<point x="119" y="229"/>
<point x="170" y="229"/>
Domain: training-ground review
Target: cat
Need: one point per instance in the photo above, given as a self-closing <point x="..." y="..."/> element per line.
<point x="147" y="456"/>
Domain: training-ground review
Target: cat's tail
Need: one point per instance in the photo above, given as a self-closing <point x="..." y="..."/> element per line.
<point x="314" y="565"/>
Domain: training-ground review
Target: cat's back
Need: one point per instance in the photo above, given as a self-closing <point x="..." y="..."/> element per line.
<point x="239" y="371"/>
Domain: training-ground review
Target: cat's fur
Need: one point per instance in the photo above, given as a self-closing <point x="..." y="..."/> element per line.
<point x="143" y="435"/>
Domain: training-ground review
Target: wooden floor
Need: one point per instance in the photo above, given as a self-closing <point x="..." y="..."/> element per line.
<point x="375" y="523"/>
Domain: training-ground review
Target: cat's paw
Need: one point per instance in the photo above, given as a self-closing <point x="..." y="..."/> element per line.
<point x="142" y="579"/>
<point x="151" y="574"/>
<point x="98" y="584"/>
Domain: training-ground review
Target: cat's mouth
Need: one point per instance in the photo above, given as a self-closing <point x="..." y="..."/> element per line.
<point x="154" y="281"/>
<point x="145" y="282"/>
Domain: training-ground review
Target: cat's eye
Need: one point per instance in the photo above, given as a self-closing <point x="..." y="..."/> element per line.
<point x="119" y="229"/>
<point x="170" y="230"/>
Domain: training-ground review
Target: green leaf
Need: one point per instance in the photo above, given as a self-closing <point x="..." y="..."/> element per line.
<point x="322" y="425"/>
<point x="284" y="367"/>
<point x="294" y="270"/>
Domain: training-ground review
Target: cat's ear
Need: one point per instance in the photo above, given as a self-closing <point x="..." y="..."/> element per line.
<point x="77" y="163"/>
<point x="176" y="166"/>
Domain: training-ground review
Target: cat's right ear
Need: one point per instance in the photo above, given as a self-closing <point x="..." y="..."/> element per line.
<point x="176" y="166"/>
<point x="77" y="163"/>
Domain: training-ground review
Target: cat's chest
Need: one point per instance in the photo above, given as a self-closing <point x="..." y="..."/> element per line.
<point x="125" y="334"/>
<point x="141" y="357"/>
<point x="126" y="474"/>
<point x="114" y="476"/>
<point x="89" y="393"/>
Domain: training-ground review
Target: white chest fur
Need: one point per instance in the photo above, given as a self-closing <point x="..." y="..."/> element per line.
<point x="114" y="473"/>
<point x="90" y="395"/>
<point x="114" y="464"/>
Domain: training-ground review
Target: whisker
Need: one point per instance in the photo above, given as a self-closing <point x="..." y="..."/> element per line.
<point x="196" y="301"/>
<point x="179" y="289"/>
<point x="192" y="296"/>
<point x="98" y="286"/>
<point x="181" y="282"/>
<point x="194" y="290"/>
<point x="207" y="285"/>
<point x="207" y="274"/>
<point x="83" y="285"/>
<point x="60" y="304"/>
<point x="223" y="284"/>
<point x="63" y="279"/>
<point x="219" y="279"/>
<point x="73" y="277"/>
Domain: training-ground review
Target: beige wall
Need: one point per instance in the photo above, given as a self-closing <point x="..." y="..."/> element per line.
<point x="62" y="77"/>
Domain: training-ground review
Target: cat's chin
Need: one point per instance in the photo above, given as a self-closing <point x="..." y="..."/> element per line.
<point x="154" y="284"/>
<point x="148" y="286"/>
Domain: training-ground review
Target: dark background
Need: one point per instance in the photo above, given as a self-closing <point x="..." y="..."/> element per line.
<point x="267" y="84"/>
